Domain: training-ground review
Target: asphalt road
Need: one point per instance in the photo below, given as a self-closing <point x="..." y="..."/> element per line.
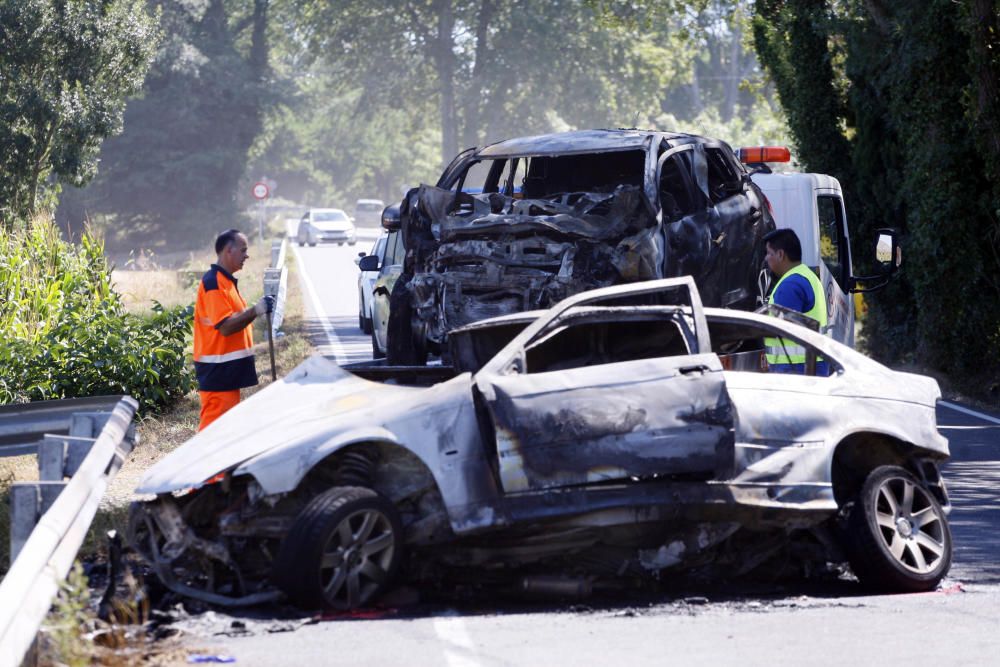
<point x="830" y="625"/>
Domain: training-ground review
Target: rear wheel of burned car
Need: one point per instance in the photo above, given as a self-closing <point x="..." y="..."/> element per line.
<point x="898" y="534"/>
<point x="342" y="552"/>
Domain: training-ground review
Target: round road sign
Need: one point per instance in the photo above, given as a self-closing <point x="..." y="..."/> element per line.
<point x="260" y="190"/>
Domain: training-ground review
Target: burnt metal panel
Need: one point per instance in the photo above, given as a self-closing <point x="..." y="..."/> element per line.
<point x="664" y="416"/>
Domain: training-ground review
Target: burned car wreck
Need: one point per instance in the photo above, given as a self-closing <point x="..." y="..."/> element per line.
<point x="627" y="432"/>
<point x="524" y="223"/>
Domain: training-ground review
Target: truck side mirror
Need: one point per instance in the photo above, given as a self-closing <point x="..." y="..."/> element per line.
<point x="888" y="254"/>
<point x="390" y="217"/>
<point x="368" y="263"/>
<point x="888" y="258"/>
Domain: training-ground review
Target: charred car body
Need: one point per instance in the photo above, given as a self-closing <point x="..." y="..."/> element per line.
<point x="524" y="223"/>
<point x="625" y="432"/>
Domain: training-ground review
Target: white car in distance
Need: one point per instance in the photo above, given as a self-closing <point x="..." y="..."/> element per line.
<point x="326" y="224"/>
<point x="366" y="281"/>
<point x="368" y="212"/>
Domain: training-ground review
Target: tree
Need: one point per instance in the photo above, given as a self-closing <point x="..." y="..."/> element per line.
<point x="899" y="100"/>
<point x="494" y="69"/>
<point x="68" y="67"/>
<point x="173" y="175"/>
<point x="389" y="90"/>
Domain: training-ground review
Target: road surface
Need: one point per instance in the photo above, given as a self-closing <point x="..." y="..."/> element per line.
<point x="831" y="625"/>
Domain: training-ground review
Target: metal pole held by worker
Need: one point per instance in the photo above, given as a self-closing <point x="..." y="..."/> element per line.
<point x="270" y="346"/>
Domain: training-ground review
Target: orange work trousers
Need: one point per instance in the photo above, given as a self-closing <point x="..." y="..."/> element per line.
<point x="215" y="403"/>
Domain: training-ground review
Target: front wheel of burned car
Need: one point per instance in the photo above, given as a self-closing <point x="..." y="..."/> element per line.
<point x="898" y="536"/>
<point x="342" y="551"/>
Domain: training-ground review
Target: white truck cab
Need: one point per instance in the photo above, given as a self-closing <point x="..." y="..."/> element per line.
<point x="813" y="206"/>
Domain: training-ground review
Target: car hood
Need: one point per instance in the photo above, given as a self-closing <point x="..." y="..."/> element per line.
<point x="313" y="403"/>
<point x="332" y="225"/>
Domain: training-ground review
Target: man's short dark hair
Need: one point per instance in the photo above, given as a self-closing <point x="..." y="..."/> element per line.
<point x="787" y="240"/>
<point x="225" y="238"/>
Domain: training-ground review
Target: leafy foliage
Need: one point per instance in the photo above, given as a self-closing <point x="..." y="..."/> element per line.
<point x="65" y="332"/>
<point x="67" y="68"/>
<point x="174" y="172"/>
<point x="389" y="90"/>
<point x="899" y="101"/>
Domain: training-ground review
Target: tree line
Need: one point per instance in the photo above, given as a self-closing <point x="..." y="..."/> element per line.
<point x="900" y="102"/>
<point x="335" y="101"/>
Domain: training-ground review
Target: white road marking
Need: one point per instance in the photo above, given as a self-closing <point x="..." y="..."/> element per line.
<point x="331" y="336"/>
<point x="459" y="650"/>
<point x="965" y="410"/>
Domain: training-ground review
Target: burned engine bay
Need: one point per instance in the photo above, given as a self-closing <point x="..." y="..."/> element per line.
<point x="499" y="255"/>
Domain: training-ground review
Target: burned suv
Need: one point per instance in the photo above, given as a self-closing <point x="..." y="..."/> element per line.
<point x="524" y="223"/>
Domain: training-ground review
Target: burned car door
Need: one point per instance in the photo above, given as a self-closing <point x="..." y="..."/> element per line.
<point x="610" y="394"/>
<point x="711" y="225"/>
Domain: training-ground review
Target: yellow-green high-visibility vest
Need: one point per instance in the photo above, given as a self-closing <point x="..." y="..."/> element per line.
<point x="783" y="350"/>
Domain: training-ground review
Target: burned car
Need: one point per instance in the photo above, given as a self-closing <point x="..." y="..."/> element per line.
<point x="625" y="433"/>
<point x="524" y="223"/>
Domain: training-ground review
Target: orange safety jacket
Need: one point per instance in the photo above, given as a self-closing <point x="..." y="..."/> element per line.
<point x="222" y="363"/>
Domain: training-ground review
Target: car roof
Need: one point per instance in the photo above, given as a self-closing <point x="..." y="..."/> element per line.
<point x="368" y="201"/>
<point x="582" y="141"/>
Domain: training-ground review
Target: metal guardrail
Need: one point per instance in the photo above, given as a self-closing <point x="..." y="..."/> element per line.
<point x="279" y="248"/>
<point x="56" y="513"/>
<point x="22" y="426"/>
<point x="276" y="282"/>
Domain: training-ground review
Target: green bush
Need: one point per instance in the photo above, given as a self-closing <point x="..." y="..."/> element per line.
<point x="65" y="333"/>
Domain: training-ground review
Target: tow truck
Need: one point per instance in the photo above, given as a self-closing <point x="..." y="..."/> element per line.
<point x="813" y="206"/>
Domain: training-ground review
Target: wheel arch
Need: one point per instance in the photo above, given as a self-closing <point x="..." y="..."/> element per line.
<point x="395" y="471"/>
<point x="857" y="454"/>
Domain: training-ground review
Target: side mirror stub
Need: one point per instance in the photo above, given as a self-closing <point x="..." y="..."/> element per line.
<point x="368" y="263"/>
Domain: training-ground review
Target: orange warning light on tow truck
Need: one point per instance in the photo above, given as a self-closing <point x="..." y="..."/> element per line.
<point x="759" y="154"/>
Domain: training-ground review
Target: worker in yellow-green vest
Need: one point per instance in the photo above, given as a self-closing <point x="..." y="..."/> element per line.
<point x="799" y="289"/>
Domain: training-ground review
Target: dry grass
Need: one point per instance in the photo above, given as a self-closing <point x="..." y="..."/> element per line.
<point x="178" y="286"/>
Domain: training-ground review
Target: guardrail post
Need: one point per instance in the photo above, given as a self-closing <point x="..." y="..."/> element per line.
<point x="28" y="502"/>
<point x="88" y="424"/>
<point x="48" y="492"/>
<point x="76" y="451"/>
<point x="24" y="503"/>
<point x="51" y="459"/>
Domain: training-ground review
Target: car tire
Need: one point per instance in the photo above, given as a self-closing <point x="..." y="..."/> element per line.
<point x="312" y="245"/>
<point x="401" y="348"/>
<point x="377" y="352"/>
<point x="342" y="552"/>
<point x="898" y="536"/>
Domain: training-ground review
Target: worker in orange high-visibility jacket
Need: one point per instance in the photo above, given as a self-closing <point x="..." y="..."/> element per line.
<point x="223" y="338"/>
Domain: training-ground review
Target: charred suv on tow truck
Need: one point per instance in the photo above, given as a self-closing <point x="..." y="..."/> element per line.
<point x="624" y="433"/>
<point x="523" y="223"/>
